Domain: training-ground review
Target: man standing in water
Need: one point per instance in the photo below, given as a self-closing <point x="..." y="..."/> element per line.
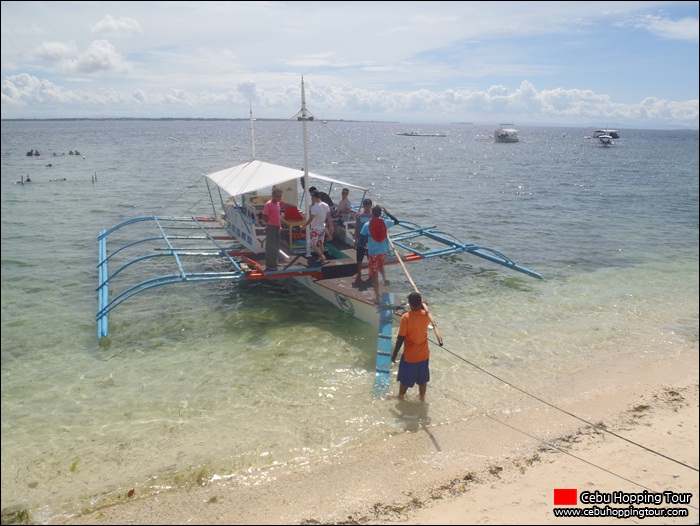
<point x="272" y="214"/>
<point x="414" y="368"/>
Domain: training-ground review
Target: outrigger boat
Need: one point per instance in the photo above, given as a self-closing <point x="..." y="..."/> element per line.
<point x="605" y="140"/>
<point x="229" y="244"/>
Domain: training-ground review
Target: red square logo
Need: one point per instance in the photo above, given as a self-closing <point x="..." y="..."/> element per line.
<point x="565" y="497"/>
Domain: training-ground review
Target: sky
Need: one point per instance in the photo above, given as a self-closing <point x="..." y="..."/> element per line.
<point x="602" y="64"/>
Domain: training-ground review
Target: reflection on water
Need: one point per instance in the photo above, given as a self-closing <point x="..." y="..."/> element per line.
<point x="413" y="415"/>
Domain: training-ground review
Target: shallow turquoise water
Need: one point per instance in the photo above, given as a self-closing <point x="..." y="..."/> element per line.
<point x="226" y="377"/>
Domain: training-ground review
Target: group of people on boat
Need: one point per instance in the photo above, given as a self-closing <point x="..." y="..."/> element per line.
<point x="370" y="233"/>
<point x="340" y="212"/>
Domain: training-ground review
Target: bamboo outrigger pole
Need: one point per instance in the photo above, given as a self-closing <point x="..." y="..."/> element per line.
<point x="430" y="315"/>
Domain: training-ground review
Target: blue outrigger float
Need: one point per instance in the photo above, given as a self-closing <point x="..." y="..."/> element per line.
<point x="152" y="251"/>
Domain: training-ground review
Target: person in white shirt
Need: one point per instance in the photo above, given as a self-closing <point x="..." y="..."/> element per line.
<point x="319" y="216"/>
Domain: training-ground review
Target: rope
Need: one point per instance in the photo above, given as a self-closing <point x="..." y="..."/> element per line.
<point x="595" y="426"/>
<point x="554" y="446"/>
<point x="430" y="315"/>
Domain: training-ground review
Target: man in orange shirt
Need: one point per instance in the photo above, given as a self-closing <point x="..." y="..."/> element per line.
<point x="414" y="368"/>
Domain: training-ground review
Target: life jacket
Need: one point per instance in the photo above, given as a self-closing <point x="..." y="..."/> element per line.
<point x="292" y="214"/>
<point x="377" y="229"/>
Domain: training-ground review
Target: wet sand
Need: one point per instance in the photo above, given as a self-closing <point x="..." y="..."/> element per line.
<point x="494" y="469"/>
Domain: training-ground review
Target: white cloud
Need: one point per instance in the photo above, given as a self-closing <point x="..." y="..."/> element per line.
<point x="685" y="30"/>
<point x="55" y="51"/>
<point x="110" y="26"/>
<point x="526" y="103"/>
<point x="100" y="57"/>
<point x="553" y="62"/>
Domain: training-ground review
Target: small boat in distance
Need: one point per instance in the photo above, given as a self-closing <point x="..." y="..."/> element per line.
<point x="612" y="133"/>
<point x="420" y="134"/>
<point x="605" y="140"/>
<point x="506" y="134"/>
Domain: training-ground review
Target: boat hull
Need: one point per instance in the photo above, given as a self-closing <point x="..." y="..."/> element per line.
<point x="600" y="133"/>
<point x="354" y="297"/>
<point x="506" y="135"/>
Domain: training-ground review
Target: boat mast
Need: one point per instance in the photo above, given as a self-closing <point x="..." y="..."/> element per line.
<point x="307" y="199"/>
<point x="252" y="130"/>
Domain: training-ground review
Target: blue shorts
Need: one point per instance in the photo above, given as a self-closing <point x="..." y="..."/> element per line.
<point x="412" y="373"/>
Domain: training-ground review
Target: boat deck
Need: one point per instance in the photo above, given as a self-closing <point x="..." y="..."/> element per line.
<point x="337" y="275"/>
<point x="341" y="261"/>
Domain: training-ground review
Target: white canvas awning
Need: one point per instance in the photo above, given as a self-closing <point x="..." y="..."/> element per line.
<point x="259" y="175"/>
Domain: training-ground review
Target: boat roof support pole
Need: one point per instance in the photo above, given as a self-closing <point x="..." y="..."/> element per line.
<point x="211" y="198"/>
<point x="307" y="200"/>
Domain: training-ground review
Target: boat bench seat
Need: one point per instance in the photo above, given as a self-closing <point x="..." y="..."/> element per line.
<point x="345" y="231"/>
<point x="254" y="206"/>
<point x="258" y="201"/>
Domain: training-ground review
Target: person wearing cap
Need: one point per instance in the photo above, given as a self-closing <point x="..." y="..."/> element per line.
<point x="414" y="367"/>
<point x="361" y="241"/>
<point x="319" y="215"/>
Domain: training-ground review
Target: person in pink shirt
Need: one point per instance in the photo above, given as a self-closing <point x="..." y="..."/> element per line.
<point x="272" y="214"/>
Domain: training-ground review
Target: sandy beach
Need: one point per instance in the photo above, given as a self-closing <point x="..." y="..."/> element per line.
<point x="495" y="469"/>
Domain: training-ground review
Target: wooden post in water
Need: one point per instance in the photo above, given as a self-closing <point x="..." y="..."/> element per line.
<point x="383" y="369"/>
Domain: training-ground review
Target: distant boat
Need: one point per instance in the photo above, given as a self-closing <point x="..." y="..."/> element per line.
<point x="612" y="133"/>
<point x="605" y="140"/>
<point x="506" y="134"/>
<point x="420" y="134"/>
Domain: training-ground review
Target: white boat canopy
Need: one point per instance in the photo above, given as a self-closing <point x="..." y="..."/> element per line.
<point x="258" y="175"/>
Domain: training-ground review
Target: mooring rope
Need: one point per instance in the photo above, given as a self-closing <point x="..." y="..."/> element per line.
<point x="595" y="426"/>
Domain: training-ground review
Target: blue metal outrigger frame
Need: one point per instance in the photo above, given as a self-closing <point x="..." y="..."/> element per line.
<point x="167" y="249"/>
<point x="450" y="245"/>
<point x="424" y="242"/>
